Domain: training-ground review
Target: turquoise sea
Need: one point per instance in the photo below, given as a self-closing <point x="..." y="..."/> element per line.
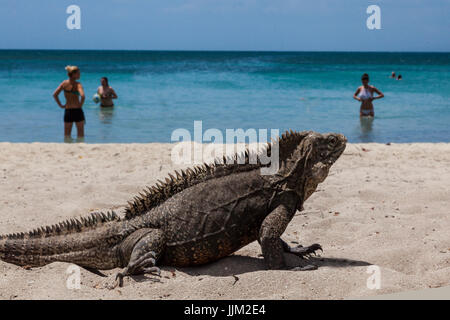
<point x="161" y="91"/>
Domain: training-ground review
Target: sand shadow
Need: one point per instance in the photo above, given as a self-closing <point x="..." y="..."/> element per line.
<point x="237" y="264"/>
<point x="338" y="262"/>
<point x="228" y="266"/>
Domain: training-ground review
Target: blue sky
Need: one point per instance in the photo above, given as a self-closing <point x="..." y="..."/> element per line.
<point x="278" y="25"/>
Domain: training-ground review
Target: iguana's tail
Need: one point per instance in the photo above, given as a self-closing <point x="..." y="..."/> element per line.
<point x="75" y="241"/>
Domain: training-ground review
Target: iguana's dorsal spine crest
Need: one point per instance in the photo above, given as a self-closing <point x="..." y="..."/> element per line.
<point x="155" y="195"/>
<point x="66" y="227"/>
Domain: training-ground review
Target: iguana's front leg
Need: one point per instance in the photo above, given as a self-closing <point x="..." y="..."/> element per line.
<point x="270" y="232"/>
<point x="273" y="248"/>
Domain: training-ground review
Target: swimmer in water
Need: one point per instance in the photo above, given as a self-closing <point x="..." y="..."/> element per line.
<point x="74" y="94"/>
<point x="106" y="93"/>
<point x="365" y="94"/>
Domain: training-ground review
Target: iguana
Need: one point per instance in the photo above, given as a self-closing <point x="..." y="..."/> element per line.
<point x="196" y="216"/>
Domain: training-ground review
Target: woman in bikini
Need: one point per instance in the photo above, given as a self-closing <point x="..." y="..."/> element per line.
<point x="106" y="93"/>
<point x="365" y="94"/>
<point x="74" y="94"/>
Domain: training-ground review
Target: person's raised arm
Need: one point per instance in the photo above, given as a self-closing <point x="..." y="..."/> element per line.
<point x="380" y="94"/>
<point x="56" y="95"/>
<point x="81" y="91"/>
<point x="355" y="95"/>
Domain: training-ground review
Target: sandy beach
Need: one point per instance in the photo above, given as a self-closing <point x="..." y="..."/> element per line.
<point x="383" y="205"/>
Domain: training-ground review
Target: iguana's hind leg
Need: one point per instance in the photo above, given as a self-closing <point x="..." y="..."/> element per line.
<point x="144" y="247"/>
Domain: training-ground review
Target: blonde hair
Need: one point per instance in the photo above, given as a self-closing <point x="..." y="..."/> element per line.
<point x="71" y="70"/>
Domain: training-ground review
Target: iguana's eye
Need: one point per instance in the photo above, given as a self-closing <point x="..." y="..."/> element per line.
<point x="332" y="140"/>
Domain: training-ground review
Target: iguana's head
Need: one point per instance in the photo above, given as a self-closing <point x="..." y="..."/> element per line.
<point x="319" y="152"/>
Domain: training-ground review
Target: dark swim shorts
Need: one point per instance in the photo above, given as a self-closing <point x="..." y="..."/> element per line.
<point x="73" y="115"/>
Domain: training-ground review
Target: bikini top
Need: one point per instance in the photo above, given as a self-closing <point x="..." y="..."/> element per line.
<point x="365" y="94"/>
<point x="75" y="92"/>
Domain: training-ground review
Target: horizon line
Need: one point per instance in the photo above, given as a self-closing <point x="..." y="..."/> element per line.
<point x="228" y="50"/>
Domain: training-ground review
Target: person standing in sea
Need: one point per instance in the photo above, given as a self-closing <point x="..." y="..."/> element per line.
<point x="74" y="94"/>
<point x="364" y="94"/>
<point x="106" y="93"/>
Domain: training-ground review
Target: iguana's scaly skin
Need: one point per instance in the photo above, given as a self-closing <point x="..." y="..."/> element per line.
<point x="195" y="217"/>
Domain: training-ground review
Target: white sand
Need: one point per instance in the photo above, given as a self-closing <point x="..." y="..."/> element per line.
<point x="387" y="206"/>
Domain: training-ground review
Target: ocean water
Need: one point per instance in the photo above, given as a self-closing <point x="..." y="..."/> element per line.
<point x="162" y="91"/>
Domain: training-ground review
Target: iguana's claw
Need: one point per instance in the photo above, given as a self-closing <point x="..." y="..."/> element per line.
<point x="314" y="247"/>
<point x="153" y="271"/>
<point x="306" y="252"/>
<point x="119" y="280"/>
